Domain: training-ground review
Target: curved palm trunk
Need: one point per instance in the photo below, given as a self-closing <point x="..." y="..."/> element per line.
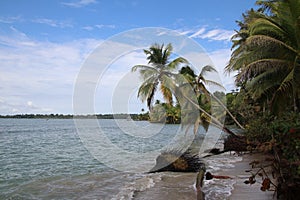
<point x="206" y="92"/>
<point x="215" y="121"/>
<point x="230" y="114"/>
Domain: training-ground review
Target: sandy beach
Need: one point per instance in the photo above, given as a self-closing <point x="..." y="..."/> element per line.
<point x="246" y="191"/>
<point x="180" y="185"/>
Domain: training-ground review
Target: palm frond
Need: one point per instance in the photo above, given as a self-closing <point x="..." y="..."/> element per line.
<point x="145" y="89"/>
<point x="174" y="64"/>
<point x="267" y="26"/>
<point x="262" y="65"/>
<point x="287" y="83"/>
<point x="142" y="67"/>
<point x="214" y="83"/>
<point x="206" y="69"/>
<point x="265" y="41"/>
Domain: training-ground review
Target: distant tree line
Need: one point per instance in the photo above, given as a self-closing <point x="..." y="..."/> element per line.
<point x="70" y="116"/>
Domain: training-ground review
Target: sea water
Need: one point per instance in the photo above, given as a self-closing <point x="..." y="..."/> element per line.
<point x="47" y="159"/>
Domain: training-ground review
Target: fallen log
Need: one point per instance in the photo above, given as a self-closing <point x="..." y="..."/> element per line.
<point x="209" y="176"/>
<point x="178" y="161"/>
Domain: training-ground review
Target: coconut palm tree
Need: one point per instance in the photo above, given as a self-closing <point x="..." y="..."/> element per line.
<point x="200" y="83"/>
<point x="157" y="73"/>
<point x="186" y="87"/>
<point x="268" y="56"/>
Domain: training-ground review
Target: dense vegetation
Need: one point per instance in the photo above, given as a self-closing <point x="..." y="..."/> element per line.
<point x="266" y="57"/>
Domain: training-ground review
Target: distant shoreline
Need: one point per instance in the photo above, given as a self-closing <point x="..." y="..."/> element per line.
<point x="70" y="116"/>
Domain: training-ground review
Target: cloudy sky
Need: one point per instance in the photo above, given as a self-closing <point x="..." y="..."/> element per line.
<point x="44" y="44"/>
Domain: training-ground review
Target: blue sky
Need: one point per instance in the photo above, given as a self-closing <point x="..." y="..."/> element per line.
<point x="43" y="44"/>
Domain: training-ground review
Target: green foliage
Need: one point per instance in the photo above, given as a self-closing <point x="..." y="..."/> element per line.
<point x="266" y="57"/>
<point x="193" y="99"/>
<point x="158" y="73"/>
<point x="282" y="133"/>
<point x="167" y="113"/>
<point x="260" y="130"/>
<point x="243" y="107"/>
<point x="266" y="54"/>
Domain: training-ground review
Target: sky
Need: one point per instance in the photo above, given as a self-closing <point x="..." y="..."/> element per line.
<point x="44" y="44"/>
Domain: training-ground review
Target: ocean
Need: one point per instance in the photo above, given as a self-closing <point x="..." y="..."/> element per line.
<point x="60" y="159"/>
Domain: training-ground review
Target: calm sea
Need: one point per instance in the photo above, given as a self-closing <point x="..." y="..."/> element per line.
<point x="46" y="159"/>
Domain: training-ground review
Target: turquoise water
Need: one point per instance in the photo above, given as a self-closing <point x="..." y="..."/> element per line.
<point x="46" y="159"/>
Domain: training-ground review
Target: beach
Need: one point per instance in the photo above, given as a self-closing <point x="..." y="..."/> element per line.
<point x="182" y="185"/>
<point x="246" y="191"/>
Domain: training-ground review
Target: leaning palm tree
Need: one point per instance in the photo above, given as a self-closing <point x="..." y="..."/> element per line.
<point x="200" y="83"/>
<point x="158" y="73"/>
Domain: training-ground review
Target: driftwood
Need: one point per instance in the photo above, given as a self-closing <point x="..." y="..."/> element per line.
<point x="209" y="176"/>
<point x="176" y="161"/>
<point x="199" y="185"/>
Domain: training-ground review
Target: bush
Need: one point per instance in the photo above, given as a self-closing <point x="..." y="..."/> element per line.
<point x="282" y="136"/>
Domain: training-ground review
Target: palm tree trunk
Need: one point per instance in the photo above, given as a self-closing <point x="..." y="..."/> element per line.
<point x="151" y="96"/>
<point x="215" y="121"/>
<point x="230" y="114"/>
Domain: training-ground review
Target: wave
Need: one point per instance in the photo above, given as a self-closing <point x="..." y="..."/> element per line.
<point x="128" y="191"/>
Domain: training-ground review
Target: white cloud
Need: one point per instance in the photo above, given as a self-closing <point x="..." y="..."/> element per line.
<point x="105" y="26"/>
<point x="217" y="34"/>
<point x="11" y="41"/>
<point x="88" y="28"/>
<point x="15" y="110"/>
<point x="32" y="108"/>
<point x="53" y="23"/>
<point x="29" y="103"/>
<point x="98" y="26"/>
<point x="79" y="4"/>
<point x="198" y="33"/>
<point x="8" y="107"/>
<point x="39" y="77"/>
<point x="220" y="59"/>
<point x="41" y="72"/>
<point x="10" y="19"/>
<point x="209" y="34"/>
<point x="116" y="82"/>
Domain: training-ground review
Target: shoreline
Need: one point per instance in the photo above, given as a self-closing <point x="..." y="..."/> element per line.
<point x="238" y="172"/>
<point x="175" y="185"/>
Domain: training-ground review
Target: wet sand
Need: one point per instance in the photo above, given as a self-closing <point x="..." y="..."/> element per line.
<point x="180" y="185"/>
<point x="246" y="191"/>
<point x="172" y="186"/>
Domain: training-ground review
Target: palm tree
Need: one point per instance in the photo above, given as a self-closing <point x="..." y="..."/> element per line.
<point x="200" y="83"/>
<point x="268" y="56"/>
<point x="186" y="86"/>
<point x="157" y="73"/>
